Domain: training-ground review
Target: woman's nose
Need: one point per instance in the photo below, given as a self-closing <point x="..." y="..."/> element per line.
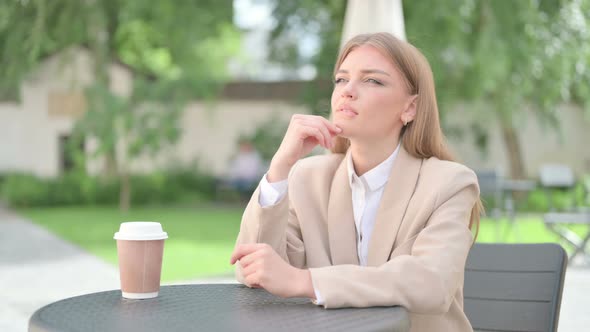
<point x="349" y="91"/>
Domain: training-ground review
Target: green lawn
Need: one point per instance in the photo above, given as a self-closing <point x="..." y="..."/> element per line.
<point x="201" y="239"/>
<point x="524" y="230"/>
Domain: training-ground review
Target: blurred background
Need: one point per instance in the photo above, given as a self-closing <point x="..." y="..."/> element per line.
<point x="115" y="111"/>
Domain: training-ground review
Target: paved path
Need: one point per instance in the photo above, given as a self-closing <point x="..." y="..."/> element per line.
<point x="37" y="268"/>
<point x="575" y="303"/>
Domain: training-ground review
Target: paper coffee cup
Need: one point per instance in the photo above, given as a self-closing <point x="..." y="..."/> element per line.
<point x="140" y="247"/>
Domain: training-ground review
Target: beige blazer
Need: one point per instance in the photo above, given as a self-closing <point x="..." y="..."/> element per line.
<point x="418" y="248"/>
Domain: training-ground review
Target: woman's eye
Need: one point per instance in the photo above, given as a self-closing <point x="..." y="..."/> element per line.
<point x="339" y="80"/>
<point x="374" y="81"/>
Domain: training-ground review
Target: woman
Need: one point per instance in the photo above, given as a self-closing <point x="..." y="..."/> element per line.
<point x="386" y="218"/>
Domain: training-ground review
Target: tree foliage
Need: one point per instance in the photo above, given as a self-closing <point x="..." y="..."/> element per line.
<point x="186" y="42"/>
<point x="176" y="51"/>
<point x="297" y="18"/>
<point x="499" y="57"/>
<point x="505" y="57"/>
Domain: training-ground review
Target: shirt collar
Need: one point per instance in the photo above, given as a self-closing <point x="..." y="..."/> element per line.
<point x="376" y="177"/>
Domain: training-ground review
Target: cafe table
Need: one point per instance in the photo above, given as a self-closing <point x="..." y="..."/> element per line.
<point x="210" y="307"/>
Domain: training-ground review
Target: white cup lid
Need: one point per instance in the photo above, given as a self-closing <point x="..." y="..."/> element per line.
<point x="140" y="231"/>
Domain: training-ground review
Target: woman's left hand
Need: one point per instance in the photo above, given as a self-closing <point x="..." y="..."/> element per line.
<point x="263" y="267"/>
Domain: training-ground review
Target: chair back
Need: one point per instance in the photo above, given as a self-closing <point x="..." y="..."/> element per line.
<point x="490" y="186"/>
<point x="556" y="176"/>
<point x="489" y="181"/>
<point x="514" y="287"/>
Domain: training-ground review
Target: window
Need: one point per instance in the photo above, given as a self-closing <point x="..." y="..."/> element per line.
<point x="68" y="152"/>
<point x="68" y="104"/>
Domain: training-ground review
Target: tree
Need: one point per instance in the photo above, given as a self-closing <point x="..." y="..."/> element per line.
<point x="498" y="56"/>
<point x="297" y="18"/>
<point x="505" y="57"/>
<point x="175" y="51"/>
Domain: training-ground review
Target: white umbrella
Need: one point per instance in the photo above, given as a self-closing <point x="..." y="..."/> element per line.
<point x="367" y="16"/>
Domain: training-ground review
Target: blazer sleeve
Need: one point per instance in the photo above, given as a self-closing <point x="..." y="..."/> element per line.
<point x="426" y="280"/>
<point x="276" y="225"/>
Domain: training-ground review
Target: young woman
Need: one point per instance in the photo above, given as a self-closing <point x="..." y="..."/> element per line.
<point x="386" y="218"/>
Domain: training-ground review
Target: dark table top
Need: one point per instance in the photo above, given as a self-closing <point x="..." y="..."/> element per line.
<point x="210" y="307"/>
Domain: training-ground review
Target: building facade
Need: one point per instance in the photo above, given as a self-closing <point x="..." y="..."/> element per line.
<point x="33" y="132"/>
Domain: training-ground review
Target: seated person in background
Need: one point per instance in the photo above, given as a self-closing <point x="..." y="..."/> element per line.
<point x="245" y="169"/>
<point x="386" y="219"/>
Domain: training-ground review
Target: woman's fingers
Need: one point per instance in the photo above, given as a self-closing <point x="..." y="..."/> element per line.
<point x="308" y="131"/>
<point x="303" y="134"/>
<point x="327" y="129"/>
<point x="253" y="280"/>
<point x="332" y="127"/>
<point x="245" y="261"/>
<point x="250" y="268"/>
<point x="244" y="250"/>
<point x="324" y="130"/>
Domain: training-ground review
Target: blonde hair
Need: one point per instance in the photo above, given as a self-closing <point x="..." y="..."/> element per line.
<point x="423" y="137"/>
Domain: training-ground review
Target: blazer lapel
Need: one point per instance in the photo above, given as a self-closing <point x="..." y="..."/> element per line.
<point x="392" y="208"/>
<point x="341" y="227"/>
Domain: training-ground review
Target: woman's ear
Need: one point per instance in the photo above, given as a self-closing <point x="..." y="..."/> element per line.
<point x="409" y="112"/>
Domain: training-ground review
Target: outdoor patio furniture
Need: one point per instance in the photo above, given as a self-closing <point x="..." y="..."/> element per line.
<point x="514" y="287"/>
<point x="490" y="188"/>
<point x="492" y="184"/>
<point x="210" y="307"/>
<point x="561" y="177"/>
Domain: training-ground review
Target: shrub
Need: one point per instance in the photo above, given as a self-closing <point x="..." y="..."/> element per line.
<point x="77" y="188"/>
<point x="25" y="190"/>
<point x="537" y="201"/>
<point x="71" y="189"/>
<point x="107" y="191"/>
<point x="268" y="136"/>
<point x="194" y="181"/>
<point x="152" y="188"/>
<point x="542" y="200"/>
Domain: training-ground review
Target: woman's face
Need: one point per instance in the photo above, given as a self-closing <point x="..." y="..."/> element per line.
<point x="370" y="96"/>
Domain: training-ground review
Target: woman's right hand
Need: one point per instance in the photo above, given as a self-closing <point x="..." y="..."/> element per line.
<point x="303" y="134"/>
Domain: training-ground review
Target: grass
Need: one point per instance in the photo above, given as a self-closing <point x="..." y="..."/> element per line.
<point x="523" y="230"/>
<point x="201" y="239"/>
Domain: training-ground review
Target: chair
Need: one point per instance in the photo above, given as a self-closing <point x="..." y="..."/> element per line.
<point x="562" y="177"/>
<point x="490" y="185"/>
<point x="514" y="287"/>
<point x="493" y="184"/>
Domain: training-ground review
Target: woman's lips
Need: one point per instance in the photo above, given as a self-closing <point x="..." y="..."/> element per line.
<point x="347" y="112"/>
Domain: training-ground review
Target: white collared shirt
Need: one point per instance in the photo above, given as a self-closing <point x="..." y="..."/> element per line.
<point x="367" y="191"/>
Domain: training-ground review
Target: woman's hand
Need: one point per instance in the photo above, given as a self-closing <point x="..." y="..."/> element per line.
<point x="303" y="134"/>
<point x="263" y="267"/>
